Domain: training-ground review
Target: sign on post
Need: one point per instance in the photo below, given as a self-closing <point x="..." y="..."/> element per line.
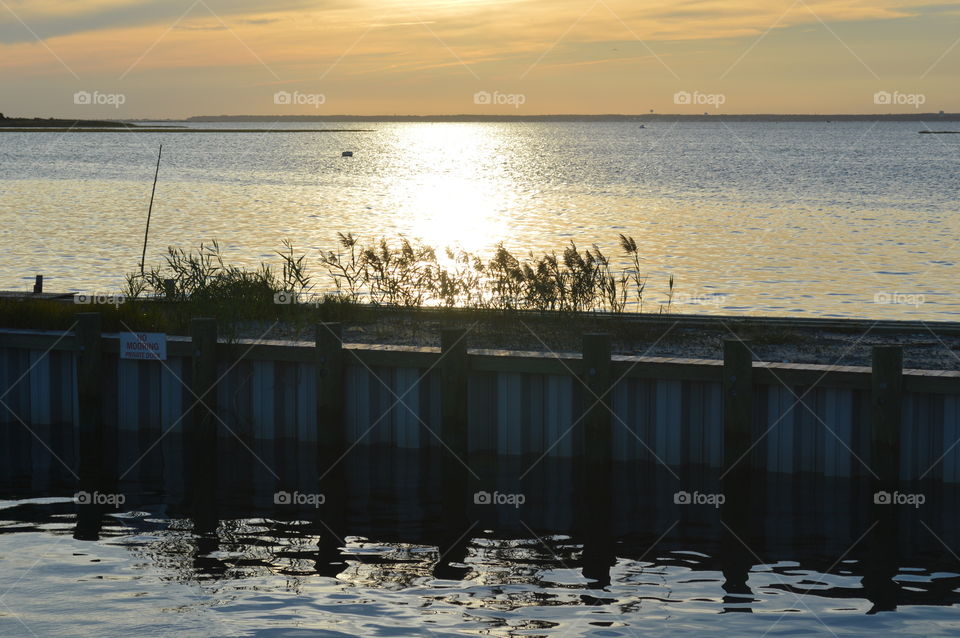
<point x="143" y="345"/>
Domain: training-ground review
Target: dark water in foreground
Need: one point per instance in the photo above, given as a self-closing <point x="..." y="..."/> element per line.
<point x="168" y="552"/>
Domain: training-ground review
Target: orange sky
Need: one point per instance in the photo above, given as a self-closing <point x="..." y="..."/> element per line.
<point x="176" y="58"/>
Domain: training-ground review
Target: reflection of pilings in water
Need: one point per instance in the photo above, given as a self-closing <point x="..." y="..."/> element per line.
<point x="881" y="563"/>
<point x="737" y="556"/>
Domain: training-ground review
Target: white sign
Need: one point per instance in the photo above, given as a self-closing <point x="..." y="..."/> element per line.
<point x="143" y="345"/>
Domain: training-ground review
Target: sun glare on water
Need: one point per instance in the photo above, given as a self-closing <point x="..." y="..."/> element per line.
<point x="458" y="192"/>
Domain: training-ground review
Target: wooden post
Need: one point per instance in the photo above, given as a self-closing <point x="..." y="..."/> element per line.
<point x="879" y="585"/>
<point x="89" y="335"/>
<point x="596" y="498"/>
<point x="200" y="437"/>
<point x="203" y="434"/>
<point x="169" y="288"/>
<point x="38" y="285"/>
<point x="203" y="333"/>
<point x="735" y="481"/>
<point x="737" y="406"/>
<point x="598" y="417"/>
<point x="453" y="380"/>
<point x="330" y="399"/>
<point x="887" y="398"/>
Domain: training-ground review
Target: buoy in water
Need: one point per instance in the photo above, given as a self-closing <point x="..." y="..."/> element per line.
<point x="347" y="154"/>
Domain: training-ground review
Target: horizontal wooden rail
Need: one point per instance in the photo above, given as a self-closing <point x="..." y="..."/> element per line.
<point x="521" y="362"/>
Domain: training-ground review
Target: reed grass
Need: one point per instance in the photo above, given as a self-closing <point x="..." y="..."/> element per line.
<point x="359" y="278"/>
<point x="410" y="274"/>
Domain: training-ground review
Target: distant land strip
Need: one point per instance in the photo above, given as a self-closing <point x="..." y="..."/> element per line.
<point x="51" y="122"/>
<point x="178" y="130"/>
<point x="649" y="117"/>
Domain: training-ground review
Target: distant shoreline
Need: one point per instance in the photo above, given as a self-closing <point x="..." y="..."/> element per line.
<point x="53" y="122"/>
<point x="136" y="125"/>
<point x="651" y="117"/>
<point x="178" y="130"/>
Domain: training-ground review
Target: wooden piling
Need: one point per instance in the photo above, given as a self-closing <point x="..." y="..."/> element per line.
<point x="202" y="435"/>
<point x="330" y="393"/>
<point x="203" y="335"/>
<point x="453" y="404"/>
<point x="737" y="406"/>
<point x="89" y="335"/>
<point x="597" y="416"/>
<point x="887" y="400"/>
<point x="38" y="285"/>
<point x="886" y="381"/>
<point x="595" y="500"/>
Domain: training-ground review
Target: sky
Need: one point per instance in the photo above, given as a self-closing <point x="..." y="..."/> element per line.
<point x="178" y="58"/>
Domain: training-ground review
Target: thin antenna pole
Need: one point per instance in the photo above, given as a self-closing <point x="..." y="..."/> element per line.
<point x="146" y="233"/>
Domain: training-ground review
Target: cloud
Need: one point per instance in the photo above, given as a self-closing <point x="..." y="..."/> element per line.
<point x="689" y="19"/>
<point x="50" y="19"/>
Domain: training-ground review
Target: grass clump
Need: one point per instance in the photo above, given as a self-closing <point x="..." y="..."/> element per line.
<point x="351" y="283"/>
<point x="410" y="275"/>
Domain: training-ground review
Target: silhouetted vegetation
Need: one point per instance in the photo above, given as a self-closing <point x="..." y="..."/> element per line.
<point x="404" y="274"/>
<point x="411" y="274"/>
<point x="356" y="282"/>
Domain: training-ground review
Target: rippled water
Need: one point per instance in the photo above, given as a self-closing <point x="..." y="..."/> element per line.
<point x="221" y="557"/>
<point x="776" y="218"/>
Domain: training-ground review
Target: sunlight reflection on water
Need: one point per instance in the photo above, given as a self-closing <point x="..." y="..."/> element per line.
<point x="777" y="218"/>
